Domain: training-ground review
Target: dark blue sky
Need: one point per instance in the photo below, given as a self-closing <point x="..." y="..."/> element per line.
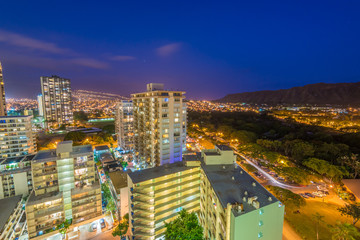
<point x="206" y="48"/>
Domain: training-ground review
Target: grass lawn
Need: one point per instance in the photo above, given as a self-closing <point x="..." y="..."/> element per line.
<point x="305" y="226"/>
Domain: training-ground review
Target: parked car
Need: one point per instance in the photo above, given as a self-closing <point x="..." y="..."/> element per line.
<point x="304" y="195"/>
<point x="319" y="194"/>
<point x="94" y="226"/>
<point x="102" y="223"/>
<point x="309" y="195"/>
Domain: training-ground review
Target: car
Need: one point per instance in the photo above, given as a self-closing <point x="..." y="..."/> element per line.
<point x="94" y="226"/>
<point x="309" y="195"/>
<point x="318" y="194"/>
<point x="303" y="195"/>
<point x="102" y="223"/>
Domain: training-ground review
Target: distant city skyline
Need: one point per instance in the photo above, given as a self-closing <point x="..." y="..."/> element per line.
<point x="205" y="49"/>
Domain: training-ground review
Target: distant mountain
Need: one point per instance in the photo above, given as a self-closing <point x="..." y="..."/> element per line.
<point x="314" y="94"/>
<point x="92" y="95"/>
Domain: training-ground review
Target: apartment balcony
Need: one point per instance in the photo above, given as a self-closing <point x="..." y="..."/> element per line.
<point x="139" y="223"/>
<point x="49" y="211"/>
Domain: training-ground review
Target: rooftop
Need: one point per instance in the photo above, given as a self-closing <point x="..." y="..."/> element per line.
<point x="230" y="183"/>
<point x="33" y="199"/>
<point x="224" y="147"/>
<point x="20" y="116"/>
<point x="156" y="172"/>
<point x="353" y="185"/>
<point x="51" y="154"/>
<point x="7" y="207"/>
<point x="118" y="179"/>
<point x="17" y="159"/>
<point x="102" y="148"/>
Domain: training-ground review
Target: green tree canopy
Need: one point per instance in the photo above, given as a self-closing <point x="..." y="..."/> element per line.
<point x="186" y="226"/>
<point x="351" y="210"/>
<point x="290" y="199"/>
<point x="80" y="116"/>
<point x="75" y="136"/>
<point x="122" y="228"/>
<point x="344" y="231"/>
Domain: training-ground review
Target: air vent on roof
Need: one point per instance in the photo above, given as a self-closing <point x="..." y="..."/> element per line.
<point x="244" y="199"/>
<point x="254" y="184"/>
<point x="246" y="193"/>
<point x="270" y="199"/>
<point x="233" y="178"/>
<point x="241" y="172"/>
<point x="224" y="167"/>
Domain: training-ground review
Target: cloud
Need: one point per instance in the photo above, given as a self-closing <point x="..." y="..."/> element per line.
<point x="168" y="49"/>
<point x="27" y="42"/>
<point x="90" y="62"/>
<point x="123" y="58"/>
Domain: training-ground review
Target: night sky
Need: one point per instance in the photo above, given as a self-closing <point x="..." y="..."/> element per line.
<point x="206" y="48"/>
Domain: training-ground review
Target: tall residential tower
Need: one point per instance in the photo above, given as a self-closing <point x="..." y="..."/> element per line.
<point x="159" y="125"/>
<point x="56" y="100"/>
<point x="2" y="94"/>
<point x="124" y="124"/>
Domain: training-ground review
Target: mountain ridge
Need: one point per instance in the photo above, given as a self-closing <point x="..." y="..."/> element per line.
<point x="344" y="94"/>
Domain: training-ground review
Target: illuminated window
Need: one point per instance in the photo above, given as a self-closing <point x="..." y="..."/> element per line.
<point x="261" y="211"/>
<point x="260" y="235"/>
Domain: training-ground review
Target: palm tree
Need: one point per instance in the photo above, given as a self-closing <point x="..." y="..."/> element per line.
<point x="344" y="231"/>
<point x="318" y="219"/>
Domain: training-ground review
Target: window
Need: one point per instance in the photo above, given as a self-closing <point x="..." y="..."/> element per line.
<point x="261" y="211"/>
<point x="260" y="235"/>
<point x="261" y="223"/>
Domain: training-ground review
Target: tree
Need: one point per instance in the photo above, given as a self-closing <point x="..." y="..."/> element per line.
<point x="290" y="199"/>
<point x="185" y="226"/>
<point x="318" y="219"/>
<point x="351" y="210"/>
<point x="122" y="228"/>
<point x="75" y="136"/>
<point x="344" y="231"/>
<point x="64" y="226"/>
<point x="80" y="116"/>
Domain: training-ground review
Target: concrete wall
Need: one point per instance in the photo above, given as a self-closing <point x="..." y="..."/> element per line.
<point x="1" y="189"/>
<point x="124" y="201"/>
<point x="20" y="183"/>
<point x="247" y="227"/>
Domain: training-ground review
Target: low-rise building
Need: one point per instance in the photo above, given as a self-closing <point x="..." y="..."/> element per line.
<point x="230" y="203"/>
<point x="119" y="188"/>
<point x="15" y="176"/>
<point x="65" y="188"/>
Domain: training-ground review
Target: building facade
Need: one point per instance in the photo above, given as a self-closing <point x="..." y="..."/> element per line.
<point x="124" y="125"/>
<point x="16" y="136"/>
<point x="56" y="100"/>
<point x="230" y="203"/>
<point x="157" y="195"/>
<point x="65" y="188"/>
<point x="15" y="176"/>
<point x="12" y="215"/>
<point x="2" y="94"/>
<point x="40" y="105"/>
<point x="159" y="125"/>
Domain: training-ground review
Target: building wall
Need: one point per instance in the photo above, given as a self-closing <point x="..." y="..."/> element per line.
<point x="21" y="184"/>
<point x="124" y="201"/>
<point x="264" y="223"/>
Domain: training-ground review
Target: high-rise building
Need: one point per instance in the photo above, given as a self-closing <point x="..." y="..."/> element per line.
<point x="159" y="125"/>
<point x="124" y="124"/>
<point x="56" y="100"/>
<point x="2" y="94"/>
<point x="230" y="203"/>
<point x="16" y="136"/>
<point x="65" y="187"/>
<point x="40" y="105"/>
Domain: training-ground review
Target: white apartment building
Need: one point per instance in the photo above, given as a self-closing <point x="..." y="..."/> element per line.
<point x="159" y="125"/>
<point x="56" y="100"/>
<point x="16" y="136"/>
<point x="124" y="124"/>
